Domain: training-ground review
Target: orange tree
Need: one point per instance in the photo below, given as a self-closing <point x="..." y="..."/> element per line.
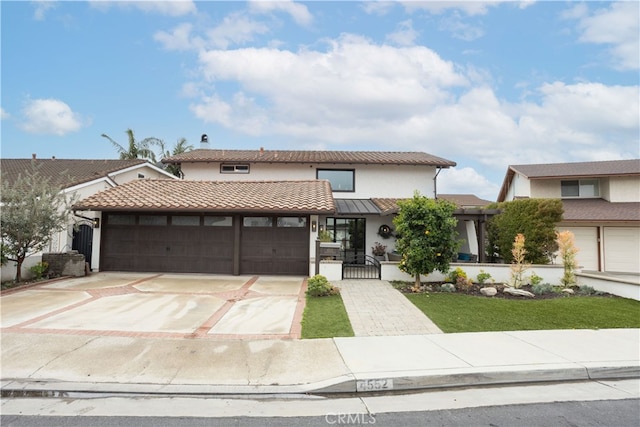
<point x="425" y="235"/>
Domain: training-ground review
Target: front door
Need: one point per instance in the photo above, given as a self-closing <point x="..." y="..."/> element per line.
<point x="83" y="241"/>
<point x="350" y="232"/>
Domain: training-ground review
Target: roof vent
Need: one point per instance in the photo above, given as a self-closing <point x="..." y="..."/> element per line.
<point x="33" y="156"/>
<point x="204" y="141"/>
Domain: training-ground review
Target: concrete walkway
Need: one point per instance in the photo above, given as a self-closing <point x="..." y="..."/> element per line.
<point x="375" y="308"/>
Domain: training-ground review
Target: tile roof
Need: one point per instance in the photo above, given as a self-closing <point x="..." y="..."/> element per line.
<point x="303" y="197"/>
<point x="580" y="169"/>
<point x="465" y="200"/>
<point x="65" y="172"/>
<point x="327" y="157"/>
<point x="600" y="210"/>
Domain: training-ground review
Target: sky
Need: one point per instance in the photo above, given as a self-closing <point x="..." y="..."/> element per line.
<point x="486" y="84"/>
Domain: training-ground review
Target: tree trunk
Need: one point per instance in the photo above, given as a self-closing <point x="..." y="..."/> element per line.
<point x="19" y="262"/>
<point x="417" y="283"/>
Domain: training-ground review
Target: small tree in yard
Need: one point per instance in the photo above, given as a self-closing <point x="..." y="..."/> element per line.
<point x="519" y="264"/>
<point x="32" y="210"/>
<point x="568" y="251"/>
<point x="426" y="235"/>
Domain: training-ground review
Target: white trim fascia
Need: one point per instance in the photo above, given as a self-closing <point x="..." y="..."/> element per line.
<point x="142" y="165"/>
<point x="76" y="187"/>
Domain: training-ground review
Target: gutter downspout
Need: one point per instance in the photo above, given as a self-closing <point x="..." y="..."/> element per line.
<point x="435" y="183"/>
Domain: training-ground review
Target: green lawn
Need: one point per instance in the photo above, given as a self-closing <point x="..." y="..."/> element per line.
<point x="466" y="313"/>
<point x="325" y="317"/>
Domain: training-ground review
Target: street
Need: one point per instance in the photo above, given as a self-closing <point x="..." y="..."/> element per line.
<point x="591" y="403"/>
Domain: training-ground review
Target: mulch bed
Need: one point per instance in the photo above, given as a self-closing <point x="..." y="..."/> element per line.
<point x="474" y="290"/>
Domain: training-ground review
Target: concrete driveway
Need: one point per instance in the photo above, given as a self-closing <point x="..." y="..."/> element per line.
<point x="159" y="305"/>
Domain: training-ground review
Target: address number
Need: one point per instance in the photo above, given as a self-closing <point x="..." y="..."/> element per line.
<point x="374" y="385"/>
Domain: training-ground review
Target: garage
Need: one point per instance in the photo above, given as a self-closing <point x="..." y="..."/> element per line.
<point x="214" y="227"/>
<point x="167" y="243"/>
<point x="622" y="249"/>
<point x="205" y="244"/>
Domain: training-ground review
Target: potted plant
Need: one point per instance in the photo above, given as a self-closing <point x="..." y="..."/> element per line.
<point x="378" y="250"/>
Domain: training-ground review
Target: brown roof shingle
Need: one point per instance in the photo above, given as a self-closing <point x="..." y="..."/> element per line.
<point x="600" y="210"/>
<point x="65" y="172"/>
<point x="580" y="169"/>
<point x="302" y="197"/>
<point x="329" y="157"/>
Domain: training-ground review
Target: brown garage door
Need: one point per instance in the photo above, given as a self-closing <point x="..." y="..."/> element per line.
<point x="274" y="245"/>
<point x="167" y="243"/>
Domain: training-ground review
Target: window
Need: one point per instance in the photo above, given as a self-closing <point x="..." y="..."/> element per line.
<point x="121" y="219"/>
<point x="340" y="179"/>
<point x="257" y="221"/>
<point x="232" y="168"/>
<point x="185" y="220"/>
<point x="218" y="221"/>
<point x="580" y="188"/>
<point x="291" y="221"/>
<point x="153" y="220"/>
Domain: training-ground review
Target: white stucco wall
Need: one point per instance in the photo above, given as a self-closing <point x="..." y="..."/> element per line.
<point x="384" y="181"/>
<point x="519" y="187"/>
<point x="624" y="189"/>
<point x="545" y="189"/>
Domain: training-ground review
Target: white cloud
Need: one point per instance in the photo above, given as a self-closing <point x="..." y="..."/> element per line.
<point x="42" y="7"/>
<point x="405" y="35"/>
<point x="617" y="27"/>
<point x="466" y="180"/>
<point x="382" y="97"/>
<point x="51" y="117"/>
<point x="468" y="7"/>
<point x="460" y="29"/>
<point x="169" y="8"/>
<point x="179" y="38"/>
<point x="235" y="29"/>
<point x="378" y="7"/>
<point x="3" y="114"/>
<point x="299" y="12"/>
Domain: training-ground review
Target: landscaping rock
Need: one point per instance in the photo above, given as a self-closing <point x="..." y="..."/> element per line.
<point x="568" y="291"/>
<point x="519" y="292"/>
<point x="488" y="292"/>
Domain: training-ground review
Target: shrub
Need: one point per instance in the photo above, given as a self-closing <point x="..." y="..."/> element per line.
<point x="519" y="264"/>
<point x="542" y="289"/>
<point x="463" y="284"/>
<point x="454" y="275"/>
<point x="483" y="277"/>
<point x="39" y="270"/>
<point x="586" y="290"/>
<point x="568" y="253"/>
<point x="535" y="279"/>
<point x="319" y="286"/>
<point x="447" y="287"/>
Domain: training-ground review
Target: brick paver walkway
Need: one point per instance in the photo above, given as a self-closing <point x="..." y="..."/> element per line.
<point x="376" y="309"/>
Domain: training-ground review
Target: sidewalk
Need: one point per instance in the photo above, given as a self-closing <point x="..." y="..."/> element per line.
<point x="362" y="364"/>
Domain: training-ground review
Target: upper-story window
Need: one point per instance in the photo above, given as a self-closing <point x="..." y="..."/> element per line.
<point x="580" y="188"/>
<point x="234" y="168"/>
<point x="340" y="179"/>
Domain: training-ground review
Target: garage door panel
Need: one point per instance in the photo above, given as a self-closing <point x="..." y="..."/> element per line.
<point x="622" y="249"/>
<point x="586" y="240"/>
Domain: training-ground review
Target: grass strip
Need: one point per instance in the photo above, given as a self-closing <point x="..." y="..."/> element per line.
<point x="466" y="313"/>
<point x="325" y="317"/>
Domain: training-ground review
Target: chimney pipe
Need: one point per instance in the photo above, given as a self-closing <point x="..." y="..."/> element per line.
<point x="204" y="141"/>
<point x="33" y="156"/>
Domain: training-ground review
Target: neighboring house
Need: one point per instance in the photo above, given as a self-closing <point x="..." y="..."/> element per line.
<point x="601" y="203"/>
<point x="79" y="179"/>
<point x="258" y="211"/>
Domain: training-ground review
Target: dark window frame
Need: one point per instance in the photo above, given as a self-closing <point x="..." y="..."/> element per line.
<point x="235" y="168"/>
<point x="353" y="179"/>
<point x="581" y="183"/>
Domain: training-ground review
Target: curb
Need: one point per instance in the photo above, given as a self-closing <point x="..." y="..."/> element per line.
<point x="380" y="382"/>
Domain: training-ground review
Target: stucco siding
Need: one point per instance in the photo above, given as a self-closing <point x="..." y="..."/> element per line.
<point x="545" y="189"/>
<point x="624" y="189"/>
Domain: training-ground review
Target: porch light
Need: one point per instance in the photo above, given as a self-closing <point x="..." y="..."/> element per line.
<point x="96" y="222"/>
<point x="314" y="226"/>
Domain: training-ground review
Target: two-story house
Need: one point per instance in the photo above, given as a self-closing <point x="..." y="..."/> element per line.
<point x="77" y="178"/>
<point x="601" y="203"/>
<point x="257" y="211"/>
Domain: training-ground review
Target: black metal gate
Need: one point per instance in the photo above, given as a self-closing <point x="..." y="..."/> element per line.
<point x="361" y="267"/>
<point x="83" y="241"/>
